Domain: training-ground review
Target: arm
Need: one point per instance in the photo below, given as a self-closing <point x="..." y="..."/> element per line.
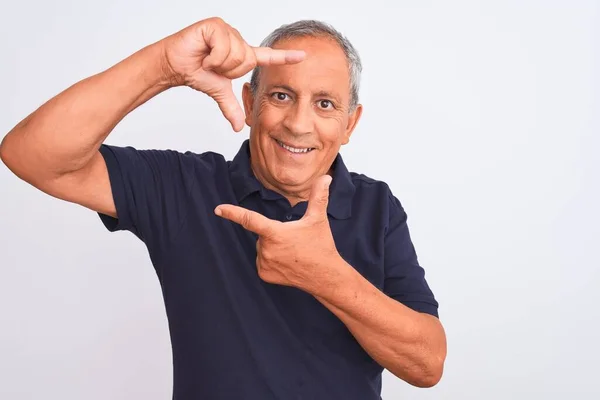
<point x="56" y="147"/>
<point x="397" y="325"/>
<point x="410" y="344"/>
<point x="302" y="254"/>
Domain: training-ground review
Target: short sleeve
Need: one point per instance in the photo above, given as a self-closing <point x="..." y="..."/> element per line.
<point x="404" y="277"/>
<point x="149" y="188"/>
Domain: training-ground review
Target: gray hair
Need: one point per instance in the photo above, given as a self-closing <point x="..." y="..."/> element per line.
<point x="314" y="28"/>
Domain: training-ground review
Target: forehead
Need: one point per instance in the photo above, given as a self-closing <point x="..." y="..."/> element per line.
<point x="324" y="68"/>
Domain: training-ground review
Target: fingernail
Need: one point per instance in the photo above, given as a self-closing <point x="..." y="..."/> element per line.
<point x="218" y="211"/>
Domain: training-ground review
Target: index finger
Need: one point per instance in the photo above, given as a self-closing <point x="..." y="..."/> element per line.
<point x="268" y="56"/>
<point x="248" y="219"/>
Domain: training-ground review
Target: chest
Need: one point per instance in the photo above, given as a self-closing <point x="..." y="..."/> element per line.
<point x="210" y="271"/>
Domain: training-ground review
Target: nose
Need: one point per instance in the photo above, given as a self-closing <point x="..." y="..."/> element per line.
<point x="299" y="119"/>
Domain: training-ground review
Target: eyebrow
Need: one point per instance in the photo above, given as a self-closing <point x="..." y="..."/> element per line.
<point x="284" y="87"/>
<point x="320" y="93"/>
<point x="325" y="93"/>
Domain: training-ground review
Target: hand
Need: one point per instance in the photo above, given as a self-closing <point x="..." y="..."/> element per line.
<point x="207" y="55"/>
<point x="300" y="253"/>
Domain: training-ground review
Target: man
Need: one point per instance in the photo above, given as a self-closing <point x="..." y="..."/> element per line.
<point x="283" y="274"/>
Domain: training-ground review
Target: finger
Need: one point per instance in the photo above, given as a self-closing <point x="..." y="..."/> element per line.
<point x="247" y="66"/>
<point x="250" y="220"/>
<point x="319" y="198"/>
<point x="220" y="45"/>
<point x="230" y="106"/>
<point x="257" y="252"/>
<point x="268" y="56"/>
<point x="236" y="56"/>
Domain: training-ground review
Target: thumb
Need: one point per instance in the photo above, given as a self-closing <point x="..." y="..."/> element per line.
<point x="230" y="107"/>
<point x="319" y="198"/>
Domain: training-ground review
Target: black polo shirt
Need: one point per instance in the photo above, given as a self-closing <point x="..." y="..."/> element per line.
<point x="233" y="335"/>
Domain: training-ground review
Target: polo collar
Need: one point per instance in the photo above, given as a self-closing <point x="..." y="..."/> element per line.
<point x="245" y="183"/>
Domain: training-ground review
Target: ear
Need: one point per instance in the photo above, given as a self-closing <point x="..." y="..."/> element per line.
<point x="353" y="119"/>
<point x="248" y="99"/>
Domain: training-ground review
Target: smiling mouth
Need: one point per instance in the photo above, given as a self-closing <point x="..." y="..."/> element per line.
<point x="295" y="150"/>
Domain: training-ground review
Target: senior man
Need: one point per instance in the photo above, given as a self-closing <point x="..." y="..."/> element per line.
<point x="284" y="275"/>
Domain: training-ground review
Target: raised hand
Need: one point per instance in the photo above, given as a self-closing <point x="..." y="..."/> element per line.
<point x="299" y="253"/>
<point x="207" y="55"/>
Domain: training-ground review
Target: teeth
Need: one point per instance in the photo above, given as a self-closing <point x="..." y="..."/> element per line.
<point x="293" y="149"/>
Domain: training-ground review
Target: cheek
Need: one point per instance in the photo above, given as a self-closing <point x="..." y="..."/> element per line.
<point x="269" y="116"/>
<point x="332" y="129"/>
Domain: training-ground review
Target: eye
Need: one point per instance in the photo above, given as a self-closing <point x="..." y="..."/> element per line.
<point x="325" y="104"/>
<point x="280" y="96"/>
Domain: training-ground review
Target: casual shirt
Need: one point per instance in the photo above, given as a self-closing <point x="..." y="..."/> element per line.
<point x="234" y="336"/>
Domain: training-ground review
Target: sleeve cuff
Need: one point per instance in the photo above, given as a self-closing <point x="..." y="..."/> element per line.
<point x="123" y="222"/>
<point x="422" y="307"/>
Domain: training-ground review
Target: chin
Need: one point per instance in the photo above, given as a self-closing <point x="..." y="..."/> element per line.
<point x="290" y="179"/>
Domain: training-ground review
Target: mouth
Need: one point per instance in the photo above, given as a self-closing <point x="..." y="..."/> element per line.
<point x="294" y="150"/>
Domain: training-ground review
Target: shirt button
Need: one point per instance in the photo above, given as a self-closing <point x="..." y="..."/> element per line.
<point x="288" y="217"/>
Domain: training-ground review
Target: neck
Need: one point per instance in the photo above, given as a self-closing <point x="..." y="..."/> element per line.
<point x="293" y="197"/>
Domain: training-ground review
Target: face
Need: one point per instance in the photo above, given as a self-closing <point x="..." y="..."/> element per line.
<point x="300" y="117"/>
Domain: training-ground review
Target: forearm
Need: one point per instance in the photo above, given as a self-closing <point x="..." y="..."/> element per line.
<point x="64" y="133"/>
<point x="411" y="345"/>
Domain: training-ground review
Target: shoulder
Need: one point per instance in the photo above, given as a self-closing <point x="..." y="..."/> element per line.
<point x="168" y="170"/>
<point x="367" y="186"/>
<point x="180" y="159"/>
<point x="377" y="198"/>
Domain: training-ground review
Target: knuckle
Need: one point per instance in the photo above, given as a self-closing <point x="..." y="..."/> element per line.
<point x="235" y="33"/>
<point x="246" y="220"/>
<point x="234" y="73"/>
<point x="217" y="20"/>
<point x="250" y="58"/>
<point x="245" y="67"/>
<point x="261" y="273"/>
<point x="237" y="59"/>
<point x="229" y="74"/>
<point x="266" y="255"/>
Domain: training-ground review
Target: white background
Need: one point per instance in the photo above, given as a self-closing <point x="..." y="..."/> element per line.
<point x="481" y="116"/>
